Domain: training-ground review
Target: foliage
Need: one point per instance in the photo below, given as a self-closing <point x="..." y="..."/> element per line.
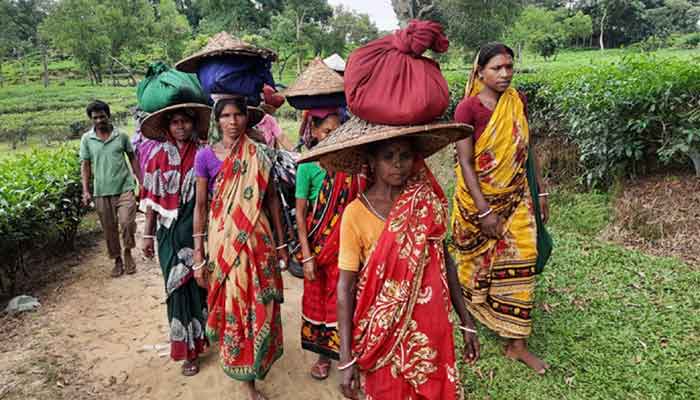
<point x="689" y="41"/>
<point x="624" y="116"/>
<point x="56" y="112"/>
<point x="465" y="20"/>
<point x="19" y="21"/>
<point x="40" y="198"/>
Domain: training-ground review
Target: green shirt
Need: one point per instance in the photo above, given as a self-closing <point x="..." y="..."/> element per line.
<point x="110" y="172"/>
<point x="309" y="178"/>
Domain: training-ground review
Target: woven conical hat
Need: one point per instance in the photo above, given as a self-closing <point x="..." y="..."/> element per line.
<point x="344" y="149"/>
<point x="317" y="79"/>
<point x="155" y="126"/>
<point x="223" y="44"/>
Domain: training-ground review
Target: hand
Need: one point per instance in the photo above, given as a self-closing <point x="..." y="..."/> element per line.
<point x="201" y="275"/>
<point x="147" y="247"/>
<point x="544" y="209"/>
<point x="492" y="226"/>
<point x="87" y="199"/>
<point x="350" y="382"/>
<point x="472" y="348"/>
<point x="283" y="255"/>
<point x="310" y="270"/>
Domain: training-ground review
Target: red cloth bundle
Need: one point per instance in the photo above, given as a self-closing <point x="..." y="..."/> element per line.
<point x="388" y="81"/>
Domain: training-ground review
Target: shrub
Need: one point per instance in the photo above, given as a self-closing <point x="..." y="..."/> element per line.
<point x="40" y="195"/>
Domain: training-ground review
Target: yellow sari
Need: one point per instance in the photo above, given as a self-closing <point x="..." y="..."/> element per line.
<point x="498" y="276"/>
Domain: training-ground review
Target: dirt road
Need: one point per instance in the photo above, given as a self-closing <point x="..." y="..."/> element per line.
<point x="97" y="337"/>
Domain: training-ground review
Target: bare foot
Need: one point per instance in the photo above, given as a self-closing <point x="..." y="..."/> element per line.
<point x="251" y="392"/>
<point x="516" y="349"/>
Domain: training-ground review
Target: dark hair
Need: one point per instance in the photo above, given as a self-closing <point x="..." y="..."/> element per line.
<point x="97" y="106"/>
<point x="238" y="101"/>
<point x="186" y="112"/>
<point x="491" y="50"/>
<point x="372" y="149"/>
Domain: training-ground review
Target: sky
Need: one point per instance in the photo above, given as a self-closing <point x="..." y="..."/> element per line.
<point x="380" y="11"/>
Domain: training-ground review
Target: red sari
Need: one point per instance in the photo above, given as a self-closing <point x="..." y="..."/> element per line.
<point x="402" y="334"/>
<point x="319" y="330"/>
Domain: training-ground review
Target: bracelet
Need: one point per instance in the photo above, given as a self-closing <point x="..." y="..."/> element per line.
<point x="545" y="194"/>
<point x="148" y="236"/>
<point x="464" y="328"/>
<point x="485" y="213"/>
<point x="194" y="235"/>
<point x="282" y="246"/>
<point x="197" y="267"/>
<point x="348" y="365"/>
<point x="308" y="259"/>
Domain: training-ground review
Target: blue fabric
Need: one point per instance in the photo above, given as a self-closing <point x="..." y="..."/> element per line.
<point x="240" y="75"/>
<point x="319" y="101"/>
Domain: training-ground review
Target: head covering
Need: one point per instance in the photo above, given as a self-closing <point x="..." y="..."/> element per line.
<point x="335" y="62"/>
<point x="155" y="126"/>
<point x="223" y="44"/>
<point x="344" y="149"/>
<point x="317" y="87"/>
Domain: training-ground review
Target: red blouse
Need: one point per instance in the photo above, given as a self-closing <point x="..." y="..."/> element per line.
<point x="471" y="111"/>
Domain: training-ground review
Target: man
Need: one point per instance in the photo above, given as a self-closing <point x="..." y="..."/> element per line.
<point x="102" y="151"/>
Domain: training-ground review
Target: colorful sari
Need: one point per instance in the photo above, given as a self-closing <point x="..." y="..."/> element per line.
<point x="498" y="276"/>
<point x="245" y="288"/>
<point x="402" y="333"/>
<point x="319" y="330"/>
<point x="169" y="189"/>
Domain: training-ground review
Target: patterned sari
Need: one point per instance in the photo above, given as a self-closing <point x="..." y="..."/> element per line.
<point x="402" y="334"/>
<point x="498" y="276"/>
<point x="319" y="330"/>
<point x="245" y="288"/>
<point x="169" y="189"/>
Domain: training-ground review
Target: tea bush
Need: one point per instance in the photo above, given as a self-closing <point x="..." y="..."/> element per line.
<point x="40" y="203"/>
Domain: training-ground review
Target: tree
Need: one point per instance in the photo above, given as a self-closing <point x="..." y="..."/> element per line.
<point x="306" y="14"/>
<point x="471" y="23"/>
<point x="236" y="16"/>
<point x="172" y="29"/>
<point x="579" y="28"/>
<point x="538" y="29"/>
<point x="407" y="10"/>
<point x="674" y="16"/>
<point x="347" y="30"/>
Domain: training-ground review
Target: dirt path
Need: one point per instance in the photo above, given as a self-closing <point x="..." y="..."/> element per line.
<point x="97" y="337"/>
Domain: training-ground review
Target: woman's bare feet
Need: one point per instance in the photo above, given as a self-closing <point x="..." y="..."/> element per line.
<point x="516" y="349"/>
<point x="251" y="392"/>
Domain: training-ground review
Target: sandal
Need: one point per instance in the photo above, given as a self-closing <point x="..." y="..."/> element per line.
<point x="190" y="368"/>
<point x="321" y="369"/>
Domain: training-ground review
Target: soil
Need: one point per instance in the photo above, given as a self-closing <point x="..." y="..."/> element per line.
<point x="659" y="215"/>
<point x="101" y="338"/>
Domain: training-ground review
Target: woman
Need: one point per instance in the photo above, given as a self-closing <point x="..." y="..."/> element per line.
<point x="397" y="283"/>
<point x="243" y="275"/>
<point x="169" y="195"/>
<point x="319" y="231"/>
<point x="494" y="228"/>
<point x="268" y="126"/>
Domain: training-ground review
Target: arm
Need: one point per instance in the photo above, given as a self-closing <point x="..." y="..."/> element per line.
<point x="149" y="229"/>
<point x="492" y="224"/>
<point x="346" y="309"/>
<point x="85" y="173"/>
<point x="310" y="265"/>
<point x="471" y="341"/>
<point x="275" y="208"/>
<point x="135" y="167"/>
<point x="200" y="227"/>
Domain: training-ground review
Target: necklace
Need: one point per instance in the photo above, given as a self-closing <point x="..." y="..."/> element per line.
<point x="371" y="207"/>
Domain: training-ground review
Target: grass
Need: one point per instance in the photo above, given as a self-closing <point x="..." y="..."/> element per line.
<point x="614" y="323"/>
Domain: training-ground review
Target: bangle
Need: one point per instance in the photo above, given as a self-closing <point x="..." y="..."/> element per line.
<point x="464" y="328"/>
<point x="148" y="236"/>
<point x="282" y="246"/>
<point x="194" y="235"/>
<point x="485" y="213"/>
<point x="196" y="267"/>
<point x="545" y="194"/>
<point x="348" y="365"/>
<point x="308" y="259"/>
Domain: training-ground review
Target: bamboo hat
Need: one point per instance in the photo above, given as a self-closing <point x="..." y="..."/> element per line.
<point x="344" y="149"/>
<point x="317" y="79"/>
<point x="155" y="126"/>
<point x="223" y="44"/>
